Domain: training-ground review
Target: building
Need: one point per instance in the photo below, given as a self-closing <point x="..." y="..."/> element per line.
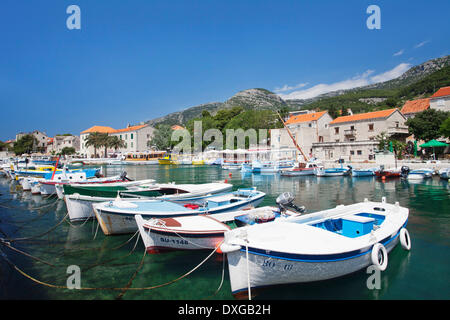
<point x="440" y="100"/>
<point x="41" y="138"/>
<point x="135" y="139"/>
<point x="353" y="137"/>
<point x="56" y="144"/>
<point x="412" y="107"/>
<point x="306" y="129"/>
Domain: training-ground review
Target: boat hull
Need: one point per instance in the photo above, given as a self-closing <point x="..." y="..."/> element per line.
<point x="268" y="270"/>
<point x="79" y="209"/>
<point x="157" y="240"/>
<point x="113" y="223"/>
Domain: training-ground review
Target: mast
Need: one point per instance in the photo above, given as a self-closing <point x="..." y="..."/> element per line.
<point x="292" y="137"/>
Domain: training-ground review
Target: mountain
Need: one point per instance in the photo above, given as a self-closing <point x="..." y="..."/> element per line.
<point x="257" y="98"/>
<point x="417" y="81"/>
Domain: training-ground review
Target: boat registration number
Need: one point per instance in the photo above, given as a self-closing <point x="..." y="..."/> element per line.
<point x="174" y="241"/>
<point x="269" y="263"/>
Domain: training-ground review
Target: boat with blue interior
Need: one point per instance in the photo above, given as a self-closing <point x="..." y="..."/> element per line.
<point x="316" y="246"/>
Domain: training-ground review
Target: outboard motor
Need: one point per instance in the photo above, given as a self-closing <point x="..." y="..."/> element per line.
<point x="285" y="201"/>
<point x="123" y="176"/>
<point x="405" y="170"/>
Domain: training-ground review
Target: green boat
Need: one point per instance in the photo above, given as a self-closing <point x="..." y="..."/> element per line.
<point x="131" y="189"/>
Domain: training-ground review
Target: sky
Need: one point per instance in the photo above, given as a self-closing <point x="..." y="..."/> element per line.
<point x="133" y="61"/>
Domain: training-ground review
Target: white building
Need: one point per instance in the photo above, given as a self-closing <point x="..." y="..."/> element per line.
<point x="41" y="138"/>
<point x="56" y="144"/>
<point x="440" y="100"/>
<point x="353" y="137"/>
<point x="306" y="129"/>
<point x="134" y="137"/>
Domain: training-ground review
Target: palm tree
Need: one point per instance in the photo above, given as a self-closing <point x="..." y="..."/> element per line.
<point x="115" y="142"/>
<point x="95" y="139"/>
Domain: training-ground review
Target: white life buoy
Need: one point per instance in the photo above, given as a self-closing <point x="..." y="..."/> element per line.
<point x="379" y="257"/>
<point x="405" y="240"/>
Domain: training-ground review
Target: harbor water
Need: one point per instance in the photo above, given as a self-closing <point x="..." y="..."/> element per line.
<point x="55" y="248"/>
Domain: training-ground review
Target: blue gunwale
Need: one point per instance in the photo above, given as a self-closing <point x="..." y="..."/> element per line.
<point x="321" y="257"/>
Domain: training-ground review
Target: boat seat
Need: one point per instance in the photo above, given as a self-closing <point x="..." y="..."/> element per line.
<point x="355" y="226"/>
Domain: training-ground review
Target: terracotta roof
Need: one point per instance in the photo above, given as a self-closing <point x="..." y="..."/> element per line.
<point x="99" y="129"/>
<point x="364" y="116"/>
<point x="307" y="117"/>
<point x="414" y="106"/>
<point x="177" y="127"/>
<point x="132" y="128"/>
<point x="445" y="91"/>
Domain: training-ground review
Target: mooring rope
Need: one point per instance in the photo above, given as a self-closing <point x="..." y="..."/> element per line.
<point x="40" y="235"/>
<point x="30" y="209"/>
<point x="112" y="288"/>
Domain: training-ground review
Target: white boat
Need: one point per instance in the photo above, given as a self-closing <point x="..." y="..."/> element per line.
<point x="79" y="207"/>
<point x="420" y="174"/>
<point x="313" y="247"/>
<point x="117" y="217"/>
<point x="444" y="173"/>
<point x="203" y="231"/>
<point x="302" y="169"/>
<point x="332" y="172"/>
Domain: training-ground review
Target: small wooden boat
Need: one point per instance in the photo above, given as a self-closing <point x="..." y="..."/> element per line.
<point x="313" y="247"/>
<point x="388" y="173"/>
<point x="444" y="173"/>
<point x="420" y="174"/>
<point x="168" y="159"/>
<point x="369" y="172"/>
<point x="79" y="205"/>
<point x="117" y="217"/>
<point x="201" y="231"/>
<point x="332" y="172"/>
<point x="303" y="169"/>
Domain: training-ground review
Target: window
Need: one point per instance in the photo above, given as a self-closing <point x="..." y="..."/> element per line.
<point x="359" y="152"/>
<point x="336" y="130"/>
<point x="370" y="126"/>
<point x="320" y="139"/>
<point x="352" y="152"/>
<point x="131" y="136"/>
<point x="132" y="142"/>
<point x="352" y="128"/>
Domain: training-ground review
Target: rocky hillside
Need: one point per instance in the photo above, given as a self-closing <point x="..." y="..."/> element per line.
<point x="361" y="99"/>
<point x="259" y="99"/>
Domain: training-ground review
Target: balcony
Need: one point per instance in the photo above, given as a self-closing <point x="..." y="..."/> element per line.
<point x="398" y="131"/>
<point x="350" y="132"/>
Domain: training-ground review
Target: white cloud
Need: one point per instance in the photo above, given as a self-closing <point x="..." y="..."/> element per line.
<point x="391" y="74"/>
<point x="399" y="53"/>
<point x="289" y="88"/>
<point x="421" y="44"/>
<point x="357" y="81"/>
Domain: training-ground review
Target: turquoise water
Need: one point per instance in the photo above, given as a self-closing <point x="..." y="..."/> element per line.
<point x="111" y="261"/>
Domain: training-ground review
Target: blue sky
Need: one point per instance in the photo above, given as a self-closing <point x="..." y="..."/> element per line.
<point x="137" y="60"/>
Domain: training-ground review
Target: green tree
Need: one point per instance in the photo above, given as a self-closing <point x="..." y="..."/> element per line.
<point x="426" y="125"/>
<point x="67" y="151"/>
<point x="161" y="137"/>
<point x="96" y="140"/>
<point x="445" y="128"/>
<point x="27" y="144"/>
<point x="115" y="142"/>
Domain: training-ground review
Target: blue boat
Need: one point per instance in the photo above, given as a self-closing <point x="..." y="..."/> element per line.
<point x="332" y="172"/>
<point x="117" y="217"/>
<point x="420" y="174"/>
<point x="369" y="172"/>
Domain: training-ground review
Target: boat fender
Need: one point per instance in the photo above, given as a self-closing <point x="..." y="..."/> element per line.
<point x="227" y="248"/>
<point x="379" y="257"/>
<point x="405" y="240"/>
